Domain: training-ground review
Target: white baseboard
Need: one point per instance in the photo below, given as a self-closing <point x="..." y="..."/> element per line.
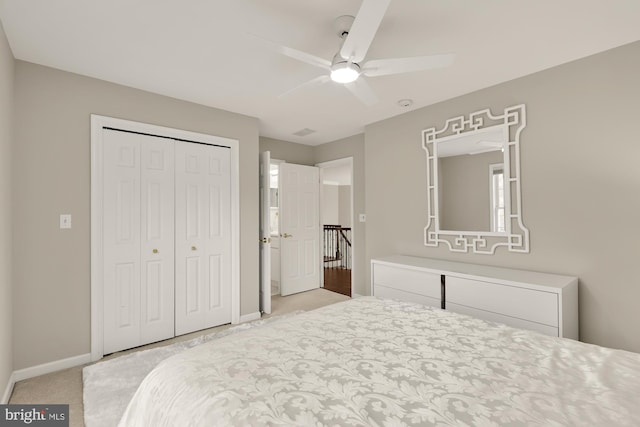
<point x="8" y="390"/>
<point x="354" y="295"/>
<point x="249" y="317"/>
<point x="46" y="368"/>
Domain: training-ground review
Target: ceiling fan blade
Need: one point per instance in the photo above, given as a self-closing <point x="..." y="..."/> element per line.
<point x="313" y="82"/>
<point x="305" y="57"/>
<point x="295" y="54"/>
<point x="361" y="90"/>
<point x="384" y="67"/>
<point x="363" y="29"/>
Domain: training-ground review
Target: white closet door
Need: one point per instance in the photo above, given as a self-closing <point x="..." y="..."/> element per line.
<point x="203" y="237"/>
<point x="138" y="218"/>
<point x="157" y="242"/>
<point x="121" y="221"/>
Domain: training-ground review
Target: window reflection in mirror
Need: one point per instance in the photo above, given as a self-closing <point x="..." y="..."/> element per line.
<point x="496" y="176"/>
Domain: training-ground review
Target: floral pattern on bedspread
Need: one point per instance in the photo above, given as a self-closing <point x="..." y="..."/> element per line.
<point x="374" y="362"/>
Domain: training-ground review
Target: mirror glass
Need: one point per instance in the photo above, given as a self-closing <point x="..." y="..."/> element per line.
<point x="470" y="181"/>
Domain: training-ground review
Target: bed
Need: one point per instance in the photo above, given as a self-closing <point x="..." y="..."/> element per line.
<point x="377" y="362"/>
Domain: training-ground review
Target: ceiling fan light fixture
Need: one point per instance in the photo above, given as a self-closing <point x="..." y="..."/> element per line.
<point x="345" y="72"/>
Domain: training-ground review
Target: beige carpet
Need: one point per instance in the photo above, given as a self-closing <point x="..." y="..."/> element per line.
<point x="66" y="386"/>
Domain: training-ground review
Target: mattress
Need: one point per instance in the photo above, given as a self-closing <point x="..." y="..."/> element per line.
<point x="376" y="362"/>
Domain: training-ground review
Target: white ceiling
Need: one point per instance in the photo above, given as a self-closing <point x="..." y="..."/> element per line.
<point x="204" y="51"/>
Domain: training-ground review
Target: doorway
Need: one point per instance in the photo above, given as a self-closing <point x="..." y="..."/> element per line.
<point x="290" y="228"/>
<point x="334" y="254"/>
<point x="336" y="215"/>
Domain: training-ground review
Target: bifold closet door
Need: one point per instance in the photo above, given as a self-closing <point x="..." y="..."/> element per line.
<point x="203" y="237"/>
<point x="138" y="236"/>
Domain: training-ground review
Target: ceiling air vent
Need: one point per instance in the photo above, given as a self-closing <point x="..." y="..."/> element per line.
<point x="304" y="132"/>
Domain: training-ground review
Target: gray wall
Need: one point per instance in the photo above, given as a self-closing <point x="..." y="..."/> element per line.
<point x="330" y="205"/>
<point x="6" y="126"/>
<point x="51" y="172"/>
<point x="580" y="184"/>
<point x="344" y="205"/>
<point x="336" y="205"/>
<point x="288" y="151"/>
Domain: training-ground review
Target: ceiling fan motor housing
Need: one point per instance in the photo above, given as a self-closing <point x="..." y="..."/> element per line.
<point x="343" y="70"/>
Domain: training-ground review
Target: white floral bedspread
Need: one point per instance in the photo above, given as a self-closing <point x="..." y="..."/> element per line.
<point x="373" y="362"/>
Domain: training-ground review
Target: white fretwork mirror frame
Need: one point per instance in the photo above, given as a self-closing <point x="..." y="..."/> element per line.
<point x="516" y="235"/>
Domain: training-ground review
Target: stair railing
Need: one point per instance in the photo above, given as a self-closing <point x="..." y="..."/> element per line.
<point x="337" y="246"/>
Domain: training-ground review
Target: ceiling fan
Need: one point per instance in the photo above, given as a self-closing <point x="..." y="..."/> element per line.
<point x="347" y="66"/>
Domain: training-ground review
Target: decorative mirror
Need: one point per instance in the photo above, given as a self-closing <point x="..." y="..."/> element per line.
<point x="473" y="183"/>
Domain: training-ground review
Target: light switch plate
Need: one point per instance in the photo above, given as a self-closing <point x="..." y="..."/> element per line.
<point x="363" y="217"/>
<point x="65" y="221"/>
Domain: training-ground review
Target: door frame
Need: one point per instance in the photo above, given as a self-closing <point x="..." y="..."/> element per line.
<point x="325" y="165"/>
<point x="97" y="286"/>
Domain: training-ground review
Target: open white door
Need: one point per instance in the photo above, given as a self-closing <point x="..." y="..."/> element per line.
<point x="299" y="192"/>
<point x="265" y="233"/>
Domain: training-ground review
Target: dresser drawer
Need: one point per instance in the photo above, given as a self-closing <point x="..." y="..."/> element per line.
<point x="521" y="303"/>
<point x="507" y="320"/>
<point x="385" y="292"/>
<point x="406" y="280"/>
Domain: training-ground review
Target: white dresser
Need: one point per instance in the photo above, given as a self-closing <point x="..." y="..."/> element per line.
<point x="547" y="303"/>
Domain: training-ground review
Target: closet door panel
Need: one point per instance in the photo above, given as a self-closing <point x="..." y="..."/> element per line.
<point x="157" y="241"/>
<point x="192" y="287"/>
<point x="121" y="237"/>
<point x="218" y="228"/>
<point x="203" y="240"/>
<point x="189" y="309"/>
<point x="216" y="288"/>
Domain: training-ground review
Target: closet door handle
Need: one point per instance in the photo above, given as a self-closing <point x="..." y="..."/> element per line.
<point x="155" y="251"/>
<point x="193" y="248"/>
